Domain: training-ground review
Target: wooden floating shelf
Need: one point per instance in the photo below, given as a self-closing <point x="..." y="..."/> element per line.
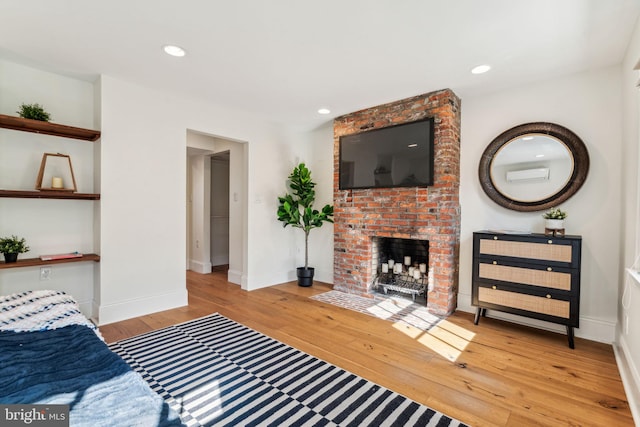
<point x="34" y="262"/>
<point x="37" y="126"/>
<point x="33" y="194"/>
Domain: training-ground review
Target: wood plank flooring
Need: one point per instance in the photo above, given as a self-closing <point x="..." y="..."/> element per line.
<point x="493" y="374"/>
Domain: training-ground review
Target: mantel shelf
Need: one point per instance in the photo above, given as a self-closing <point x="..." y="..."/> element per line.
<point x="37" y="126"/>
<point x="33" y="262"/>
<point x="32" y="194"/>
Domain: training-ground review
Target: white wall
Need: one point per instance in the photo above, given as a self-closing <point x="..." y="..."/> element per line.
<point x="49" y="226"/>
<point x="144" y="192"/>
<point x="589" y="104"/>
<point x="628" y="339"/>
<point x="321" y="164"/>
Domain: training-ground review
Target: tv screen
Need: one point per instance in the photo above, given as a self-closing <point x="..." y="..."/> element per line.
<point x="395" y="156"/>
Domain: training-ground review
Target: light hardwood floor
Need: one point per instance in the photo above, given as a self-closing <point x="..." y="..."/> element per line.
<point x="504" y="374"/>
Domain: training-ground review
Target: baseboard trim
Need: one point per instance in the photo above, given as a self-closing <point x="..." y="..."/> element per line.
<point x="629" y="375"/>
<point x="200" y="267"/>
<point x="590" y="328"/>
<point x="142" y="306"/>
<point x="234" y="276"/>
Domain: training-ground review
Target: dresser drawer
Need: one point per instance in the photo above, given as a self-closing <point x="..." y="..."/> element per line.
<point x="535" y="304"/>
<point x="547" y="277"/>
<point x="543" y="251"/>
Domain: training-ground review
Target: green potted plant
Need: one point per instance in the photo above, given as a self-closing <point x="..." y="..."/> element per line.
<point x="296" y="209"/>
<point x="554" y="219"/>
<point x="11" y="247"/>
<point x="33" y="112"/>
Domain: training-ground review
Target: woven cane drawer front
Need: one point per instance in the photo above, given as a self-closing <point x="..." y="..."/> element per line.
<point x="527" y="276"/>
<point x="535" y="304"/>
<point x="530" y="250"/>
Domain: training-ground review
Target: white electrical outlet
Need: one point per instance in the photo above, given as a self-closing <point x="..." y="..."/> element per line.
<point x="45" y="273"/>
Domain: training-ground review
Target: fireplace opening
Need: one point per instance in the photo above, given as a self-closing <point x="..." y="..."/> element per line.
<point x="401" y="267"/>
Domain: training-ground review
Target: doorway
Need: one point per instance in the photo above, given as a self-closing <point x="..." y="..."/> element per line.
<point x="217" y="230"/>
<point x="219" y="213"/>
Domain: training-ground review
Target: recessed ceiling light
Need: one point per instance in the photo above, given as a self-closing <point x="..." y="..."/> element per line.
<point x="412" y="145"/>
<point x="481" y="69"/>
<point x="539" y="155"/>
<point x="527" y="138"/>
<point x="324" y="111"/>
<point x="174" y="50"/>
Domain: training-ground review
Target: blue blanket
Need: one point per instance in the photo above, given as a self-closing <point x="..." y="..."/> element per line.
<point x="72" y="366"/>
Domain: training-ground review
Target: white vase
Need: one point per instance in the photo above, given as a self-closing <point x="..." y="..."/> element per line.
<point x="554" y="224"/>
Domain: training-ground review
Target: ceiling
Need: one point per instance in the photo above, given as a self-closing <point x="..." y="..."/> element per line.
<point x="285" y="59"/>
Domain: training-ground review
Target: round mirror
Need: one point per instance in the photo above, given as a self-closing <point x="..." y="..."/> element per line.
<point x="534" y="166"/>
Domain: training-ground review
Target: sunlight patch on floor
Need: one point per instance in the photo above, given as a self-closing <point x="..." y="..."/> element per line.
<point x="445" y="338"/>
<point x="387" y="308"/>
<point x="207" y="396"/>
<point x="414" y="320"/>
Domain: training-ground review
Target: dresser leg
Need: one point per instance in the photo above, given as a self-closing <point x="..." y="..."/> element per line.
<point x="477" y="318"/>
<point x="570" y="336"/>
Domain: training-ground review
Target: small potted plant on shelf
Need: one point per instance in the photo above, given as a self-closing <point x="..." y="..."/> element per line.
<point x="33" y="112"/>
<point x="11" y="247"/>
<point x="554" y="219"/>
<point x="297" y="211"/>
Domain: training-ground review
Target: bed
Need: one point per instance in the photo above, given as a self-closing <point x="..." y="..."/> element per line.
<point x="50" y="353"/>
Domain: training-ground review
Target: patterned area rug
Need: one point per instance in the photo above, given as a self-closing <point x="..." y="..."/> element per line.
<point x="216" y="372"/>
<point x="393" y="308"/>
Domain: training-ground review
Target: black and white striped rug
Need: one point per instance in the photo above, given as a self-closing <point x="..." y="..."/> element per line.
<point x="217" y="372"/>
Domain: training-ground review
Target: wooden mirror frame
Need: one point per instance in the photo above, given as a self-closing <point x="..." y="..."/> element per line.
<point x="579" y="153"/>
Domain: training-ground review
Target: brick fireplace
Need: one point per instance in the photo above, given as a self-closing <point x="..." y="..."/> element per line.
<point x="422" y="213"/>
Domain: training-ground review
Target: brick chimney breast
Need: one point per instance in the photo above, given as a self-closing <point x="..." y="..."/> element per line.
<point x="421" y="213"/>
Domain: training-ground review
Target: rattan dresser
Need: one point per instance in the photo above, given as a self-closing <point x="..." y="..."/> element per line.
<point x="530" y="275"/>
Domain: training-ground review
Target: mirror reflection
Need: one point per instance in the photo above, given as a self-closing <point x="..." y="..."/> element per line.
<point x="531" y="167"/>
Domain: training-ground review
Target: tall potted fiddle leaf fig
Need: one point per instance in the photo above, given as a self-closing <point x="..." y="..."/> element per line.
<point x="296" y="209"/>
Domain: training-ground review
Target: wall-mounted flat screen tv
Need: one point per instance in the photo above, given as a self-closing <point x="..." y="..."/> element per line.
<point x="395" y="156"/>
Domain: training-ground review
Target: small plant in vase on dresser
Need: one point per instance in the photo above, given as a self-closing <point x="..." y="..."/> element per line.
<point x="554" y="222"/>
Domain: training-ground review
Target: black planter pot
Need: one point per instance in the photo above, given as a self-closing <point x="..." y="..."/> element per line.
<point x="305" y="276"/>
<point x="10" y="257"/>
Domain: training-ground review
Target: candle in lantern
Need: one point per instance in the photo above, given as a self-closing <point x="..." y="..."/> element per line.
<point x="407" y="260"/>
<point x="56" y="182"/>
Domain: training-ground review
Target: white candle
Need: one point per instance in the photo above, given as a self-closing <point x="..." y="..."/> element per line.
<point x="385" y="267"/>
<point x="423" y="268"/>
<point x="411" y="270"/>
<point x="397" y="268"/>
<point x="417" y="274"/>
<point x="391" y="262"/>
<point x="56" y="182"/>
<point x="407" y="260"/>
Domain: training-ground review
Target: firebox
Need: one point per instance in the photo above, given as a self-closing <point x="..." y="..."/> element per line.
<point x="400" y="266"/>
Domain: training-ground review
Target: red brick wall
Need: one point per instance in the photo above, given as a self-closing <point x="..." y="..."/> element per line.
<point x="429" y="213"/>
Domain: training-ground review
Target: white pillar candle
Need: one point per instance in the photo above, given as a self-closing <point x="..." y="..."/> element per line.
<point x="423" y="268"/>
<point x="385" y="267"/>
<point x="397" y="268"/>
<point x="411" y="270"/>
<point x="391" y="262"/>
<point x="417" y="275"/>
<point x="56" y="182"/>
<point x="407" y="260"/>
